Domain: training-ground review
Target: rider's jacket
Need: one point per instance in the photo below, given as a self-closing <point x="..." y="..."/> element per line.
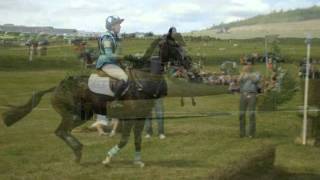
<point x="108" y="44"/>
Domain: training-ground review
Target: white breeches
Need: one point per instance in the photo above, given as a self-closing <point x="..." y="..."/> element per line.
<point x="115" y="72"/>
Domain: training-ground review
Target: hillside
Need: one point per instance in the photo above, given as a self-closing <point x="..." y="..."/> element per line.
<point x="291" y="29"/>
<point x="294" y="23"/>
<point x="277" y="17"/>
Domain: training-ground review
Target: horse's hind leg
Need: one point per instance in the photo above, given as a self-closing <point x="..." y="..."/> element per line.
<point x="64" y="132"/>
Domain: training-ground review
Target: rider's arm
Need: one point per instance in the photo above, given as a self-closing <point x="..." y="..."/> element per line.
<point x="108" y="46"/>
<point x="109" y="49"/>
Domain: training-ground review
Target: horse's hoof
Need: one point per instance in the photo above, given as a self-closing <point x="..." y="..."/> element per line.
<point x="113" y="133"/>
<point x="103" y="134"/>
<point x="107" y="161"/>
<point x="77" y="160"/>
<point x="139" y="163"/>
<point x="78" y="155"/>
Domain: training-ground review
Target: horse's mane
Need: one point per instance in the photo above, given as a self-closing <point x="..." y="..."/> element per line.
<point x="143" y="63"/>
<point x="136" y="62"/>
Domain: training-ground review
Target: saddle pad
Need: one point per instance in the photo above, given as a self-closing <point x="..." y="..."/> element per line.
<point x="100" y="85"/>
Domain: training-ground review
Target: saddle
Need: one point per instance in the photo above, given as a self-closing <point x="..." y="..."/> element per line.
<point x="104" y="84"/>
<point x="101" y="85"/>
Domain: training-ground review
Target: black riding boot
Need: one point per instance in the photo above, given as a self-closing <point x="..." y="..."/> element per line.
<point x="118" y="93"/>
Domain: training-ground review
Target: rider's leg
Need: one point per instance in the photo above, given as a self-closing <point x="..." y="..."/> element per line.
<point x="119" y="74"/>
<point x="118" y="92"/>
<point x="115" y="72"/>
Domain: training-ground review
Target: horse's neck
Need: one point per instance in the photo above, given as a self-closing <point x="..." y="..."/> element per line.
<point x="139" y="75"/>
<point x="151" y="49"/>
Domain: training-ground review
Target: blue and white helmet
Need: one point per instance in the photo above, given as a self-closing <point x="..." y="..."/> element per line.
<point x="112" y="20"/>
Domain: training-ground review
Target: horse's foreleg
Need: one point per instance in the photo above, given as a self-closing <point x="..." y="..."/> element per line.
<point x="115" y="123"/>
<point x="125" y="134"/>
<point x="63" y="131"/>
<point x="181" y="101"/>
<point x="193" y="101"/>
<point x="138" y="128"/>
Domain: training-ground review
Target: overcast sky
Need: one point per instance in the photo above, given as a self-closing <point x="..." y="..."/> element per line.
<point x="142" y="16"/>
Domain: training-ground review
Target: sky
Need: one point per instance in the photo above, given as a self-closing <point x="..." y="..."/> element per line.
<point x="140" y="16"/>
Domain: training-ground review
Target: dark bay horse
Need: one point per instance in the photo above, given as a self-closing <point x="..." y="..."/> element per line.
<point x="75" y="103"/>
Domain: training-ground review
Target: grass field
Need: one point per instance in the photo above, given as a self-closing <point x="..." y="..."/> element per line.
<point x="195" y="148"/>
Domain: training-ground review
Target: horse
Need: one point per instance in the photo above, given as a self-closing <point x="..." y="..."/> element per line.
<point x="76" y="104"/>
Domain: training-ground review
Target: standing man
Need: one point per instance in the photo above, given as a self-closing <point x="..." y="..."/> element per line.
<point x="158" y="109"/>
<point x="249" y="84"/>
<point x="30" y="53"/>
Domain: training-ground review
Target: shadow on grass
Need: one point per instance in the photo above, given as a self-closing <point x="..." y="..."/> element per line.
<point x="299" y="177"/>
<point x="175" y="163"/>
<point x="281" y="174"/>
<point x="180" y="133"/>
<point x="91" y="163"/>
<point x="275" y="174"/>
<point x="269" y="134"/>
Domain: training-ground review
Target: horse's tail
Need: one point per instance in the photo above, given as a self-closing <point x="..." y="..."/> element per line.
<point x="16" y="113"/>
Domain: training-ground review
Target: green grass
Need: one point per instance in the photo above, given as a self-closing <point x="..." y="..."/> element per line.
<point x="212" y="52"/>
<point x="195" y="147"/>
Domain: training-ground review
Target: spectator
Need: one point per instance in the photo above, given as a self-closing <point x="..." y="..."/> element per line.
<point x="249" y="81"/>
<point x="159" y="109"/>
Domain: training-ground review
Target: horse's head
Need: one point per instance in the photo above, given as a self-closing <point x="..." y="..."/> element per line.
<point x="171" y="50"/>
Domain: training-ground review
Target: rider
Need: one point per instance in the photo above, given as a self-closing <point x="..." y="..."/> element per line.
<point x="108" y="59"/>
<point x="107" y="63"/>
